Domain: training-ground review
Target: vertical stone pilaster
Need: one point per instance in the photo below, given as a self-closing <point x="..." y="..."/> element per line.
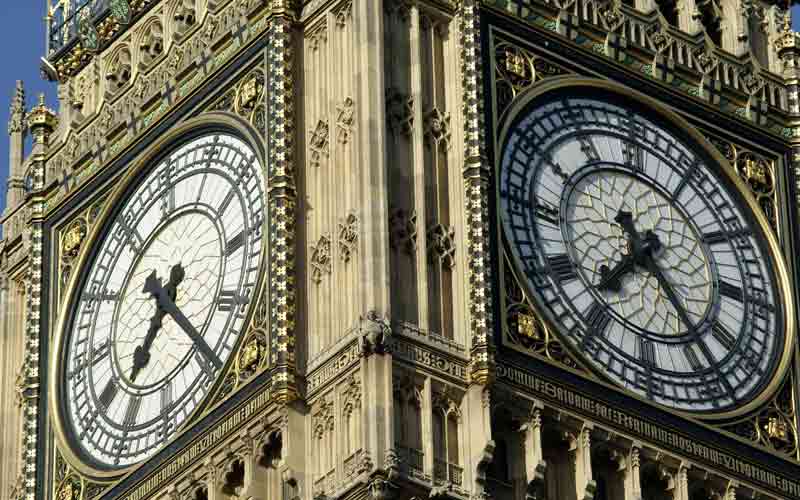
<point x="681" y="488"/>
<point x="282" y="193"/>
<point x="581" y="446"/>
<point x="535" y="464"/>
<point x="632" y="483"/>
<point x="476" y="172"/>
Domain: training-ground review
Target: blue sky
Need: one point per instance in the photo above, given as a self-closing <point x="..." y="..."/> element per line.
<point x="22" y="36"/>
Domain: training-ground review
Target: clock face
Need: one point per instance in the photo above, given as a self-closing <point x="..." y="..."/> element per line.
<point x="642" y="256"/>
<point x="164" y="299"/>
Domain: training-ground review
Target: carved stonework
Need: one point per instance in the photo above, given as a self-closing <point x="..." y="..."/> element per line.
<point x="320" y="259"/>
<point x="16" y="121"/>
<point x="344" y="14"/>
<point x="322" y="417"/>
<point x="400" y="113"/>
<point x="344" y="120"/>
<point x="437" y="129"/>
<point x="118" y="72"/>
<point x="348" y="237"/>
<point x="403" y="231"/>
<point x="441" y="245"/>
<point x="152" y="44"/>
<point x="318" y="143"/>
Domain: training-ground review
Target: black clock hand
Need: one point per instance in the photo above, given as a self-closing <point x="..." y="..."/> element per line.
<point x="638" y="246"/>
<point x="664" y="283"/>
<point x="141" y="355"/>
<point x="167" y="304"/>
<point x="610" y="278"/>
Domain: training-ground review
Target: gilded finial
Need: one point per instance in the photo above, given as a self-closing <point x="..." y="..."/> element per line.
<point x="42" y="121"/>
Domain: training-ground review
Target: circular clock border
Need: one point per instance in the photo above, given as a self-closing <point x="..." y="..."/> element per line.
<point x="721" y="166"/>
<point x="207" y="123"/>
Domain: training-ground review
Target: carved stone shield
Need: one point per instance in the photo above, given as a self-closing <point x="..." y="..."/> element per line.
<point x="121" y="10"/>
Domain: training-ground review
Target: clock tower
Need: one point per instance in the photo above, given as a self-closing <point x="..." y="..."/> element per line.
<point x="395" y="249"/>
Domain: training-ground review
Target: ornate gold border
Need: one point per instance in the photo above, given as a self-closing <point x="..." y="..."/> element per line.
<point x="664" y="112"/>
<point x="218" y="120"/>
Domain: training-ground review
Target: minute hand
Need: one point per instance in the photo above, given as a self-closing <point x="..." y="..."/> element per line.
<point x="671" y="294"/>
<point x="170" y="308"/>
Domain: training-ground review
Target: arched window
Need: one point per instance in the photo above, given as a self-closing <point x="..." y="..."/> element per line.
<point x="446" y="454"/>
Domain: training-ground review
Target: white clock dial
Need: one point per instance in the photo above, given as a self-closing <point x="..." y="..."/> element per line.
<point x="164" y="299"/>
<point x="640" y="253"/>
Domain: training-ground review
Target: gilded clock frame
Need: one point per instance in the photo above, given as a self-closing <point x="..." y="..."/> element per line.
<point x="207" y="122"/>
<point x="784" y="283"/>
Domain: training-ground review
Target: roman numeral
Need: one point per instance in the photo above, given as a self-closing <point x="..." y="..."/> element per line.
<point x="100" y="352"/>
<point x="130" y="236"/>
<point x="731" y="291"/>
<point x="562" y="267"/>
<point x="597" y="319"/>
<point x="723" y="336"/>
<point x="166" y="400"/>
<point x="547" y="213"/>
<point x="208" y="370"/>
<point x="229" y="300"/>
<point x="168" y="202"/>
<point x="134" y="403"/>
<point x="691" y="356"/>
<point x="633" y="157"/>
<point x="109" y="393"/>
<point x="684" y="180"/>
<point x="717" y="237"/>
<point x="647" y="352"/>
<point x="588" y="148"/>
<point x="227" y="201"/>
<point x="234" y="244"/>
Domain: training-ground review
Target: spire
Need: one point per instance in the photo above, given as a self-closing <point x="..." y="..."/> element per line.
<point x="17" y="115"/>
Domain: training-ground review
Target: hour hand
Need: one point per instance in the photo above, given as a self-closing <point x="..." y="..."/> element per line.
<point x="611" y="279"/>
<point x="152" y="285"/>
<point x="625" y="220"/>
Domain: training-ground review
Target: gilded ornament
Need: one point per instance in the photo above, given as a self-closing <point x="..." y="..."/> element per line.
<point x="777" y="429"/>
<point x="515" y="63"/>
<point x="250" y="92"/>
<point x="251" y="355"/>
<point x="69" y="490"/>
<point x="527" y="326"/>
<point x="754" y="171"/>
<point x="73" y="237"/>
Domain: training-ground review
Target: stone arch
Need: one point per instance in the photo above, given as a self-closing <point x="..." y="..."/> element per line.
<point x="117" y="69"/>
<point x="150" y="42"/>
